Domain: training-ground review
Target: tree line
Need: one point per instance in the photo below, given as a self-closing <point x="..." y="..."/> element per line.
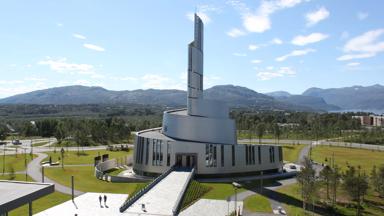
<point x="354" y="181"/>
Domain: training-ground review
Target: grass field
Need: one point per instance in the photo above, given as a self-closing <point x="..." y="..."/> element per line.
<point x="352" y="156"/>
<point x="291" y="152"/>
<point x="39" y="144"/>
<point x="18" y="163"/>
<point x="371" y="201"/>
<point x="41" y="204"/>
<point x="193" y="193"/>
<point x="257" y="203"/>
<point x="86" y="181"/>
<point x="86" y="157"/>
<point x="220" y="191"/>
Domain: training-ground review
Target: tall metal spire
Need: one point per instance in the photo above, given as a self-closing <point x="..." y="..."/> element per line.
<point x="195" y="67"/>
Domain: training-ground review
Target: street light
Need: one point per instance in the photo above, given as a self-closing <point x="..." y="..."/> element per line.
<point x="236" y="186"/>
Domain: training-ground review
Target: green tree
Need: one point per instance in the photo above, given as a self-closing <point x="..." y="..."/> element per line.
<point x="356" y="185"/>
<point x="334" y="183"/>
<point x="307" y="181"/>
<point x="277" y="132"/>
<point x="3" y="132"/>
<point x="260" y="130"/>
<point x="60" y="131"/>
<point x="326" y="175"/>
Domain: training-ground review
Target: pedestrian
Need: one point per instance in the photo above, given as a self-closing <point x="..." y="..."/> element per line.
<point x="100" y="198"/>
<point x="105" y="200"/>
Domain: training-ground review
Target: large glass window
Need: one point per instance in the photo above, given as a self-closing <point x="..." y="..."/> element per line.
<point x="210" y="155"/>
<point x="280" y="153"/>
<point x="168" y="154"/>
<point x="259" y="153"/>
<point x="222" y="155"/>
<point x="147" y="152"/>
<point x="233" y="155"/>
<point x="246" y="155"/>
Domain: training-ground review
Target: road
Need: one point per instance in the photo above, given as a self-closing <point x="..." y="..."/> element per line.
<point x="34" y="171"/>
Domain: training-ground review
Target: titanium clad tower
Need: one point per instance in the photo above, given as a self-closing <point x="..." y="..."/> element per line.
<point x="202" y="135"/>
<point x="195" y="68"/>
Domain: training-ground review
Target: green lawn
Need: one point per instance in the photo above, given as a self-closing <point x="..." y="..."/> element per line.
<point x="220" y="191"/>
<point x="86" y="181"/>
<point x="41" y="204"/>
<point x="18" y="163"/>
<point x="86" y="157"/>
<point x="193" y="193"/>
<point x="257" y="203"/>
<point x="354" y="157"/>
<point x="291" y="152"/>
<point x="39" y="144"/>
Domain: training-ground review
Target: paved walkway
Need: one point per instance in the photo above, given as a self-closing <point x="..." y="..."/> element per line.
<point x="161" y="199"/>
<point x="34" y="172"/>
<point x="210" y="207"/>
<point x="88" y="204"/>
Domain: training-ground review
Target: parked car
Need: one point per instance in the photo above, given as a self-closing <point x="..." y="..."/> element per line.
<point x="16" y="142"/>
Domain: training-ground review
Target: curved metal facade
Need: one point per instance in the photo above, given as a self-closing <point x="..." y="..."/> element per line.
<point x="202" y="135"/>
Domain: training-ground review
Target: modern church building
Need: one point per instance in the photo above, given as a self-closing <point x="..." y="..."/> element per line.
<point x="202" y="135"/>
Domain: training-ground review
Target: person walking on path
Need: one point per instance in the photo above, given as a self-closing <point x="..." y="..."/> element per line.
<point x="100" y="198"/>
<point x="105" y="201"/>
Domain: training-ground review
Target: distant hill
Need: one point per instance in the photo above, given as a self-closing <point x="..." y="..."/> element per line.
<point x="355" y="98"/>
<point x="369" y="98"/>
<point x="316" y="103"/>
<point x="278" y="94"/>
<point x="235" y="96"/>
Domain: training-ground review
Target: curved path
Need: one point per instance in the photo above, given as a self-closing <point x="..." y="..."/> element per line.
<point x="34" y="172"/>
<point x="274" y="203"/>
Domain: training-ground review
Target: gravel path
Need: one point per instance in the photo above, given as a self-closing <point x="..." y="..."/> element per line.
<point x="34" y="172"/>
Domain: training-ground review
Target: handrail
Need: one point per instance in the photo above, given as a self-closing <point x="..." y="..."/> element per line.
<point x="176" y="207"/>
<point x="133" y="199"/>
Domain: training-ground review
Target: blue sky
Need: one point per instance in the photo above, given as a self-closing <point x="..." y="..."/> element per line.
<point x="263" y="45"/>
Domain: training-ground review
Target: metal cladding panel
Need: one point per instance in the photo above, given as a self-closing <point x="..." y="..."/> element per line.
<point x="208" y="108"/>
<point x="200" y="129"/>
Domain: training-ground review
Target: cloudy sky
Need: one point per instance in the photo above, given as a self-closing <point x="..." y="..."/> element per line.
<point x="263" y="45"/>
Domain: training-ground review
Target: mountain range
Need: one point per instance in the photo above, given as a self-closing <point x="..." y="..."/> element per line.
<point x="370" y="98"/>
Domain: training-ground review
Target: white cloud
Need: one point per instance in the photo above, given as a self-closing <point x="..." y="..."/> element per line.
<point x="61" y="65"/>
<point x="362" y="15"/>
<point x="79" y="36"/>
<point x="253" y="47"/>
<point x="366" y="42"/>
<point x="353" y="64"/>
<point x="256" y="23"/>
<point x="259" y="20"/>
<point x="256" y="61"/>
<point x="155" y="81"/>
<point x="302" y="40"/>
<point x="269" y="73"/>
<point x="276" y="41"/>
<point x="295" y="53"/>
<point x="59" y="24"/>
<point x="355" y="56"/>
<point x="82" y="82"/>
<point x="365" y="45"/>
<point x="235" y="32"/>
<point x="239" y="54"/>
<point x="316" y="16"/>
<point x="94" y="47"/>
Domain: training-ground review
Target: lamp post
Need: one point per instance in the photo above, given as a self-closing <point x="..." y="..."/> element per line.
<point x="236" y="186"/>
